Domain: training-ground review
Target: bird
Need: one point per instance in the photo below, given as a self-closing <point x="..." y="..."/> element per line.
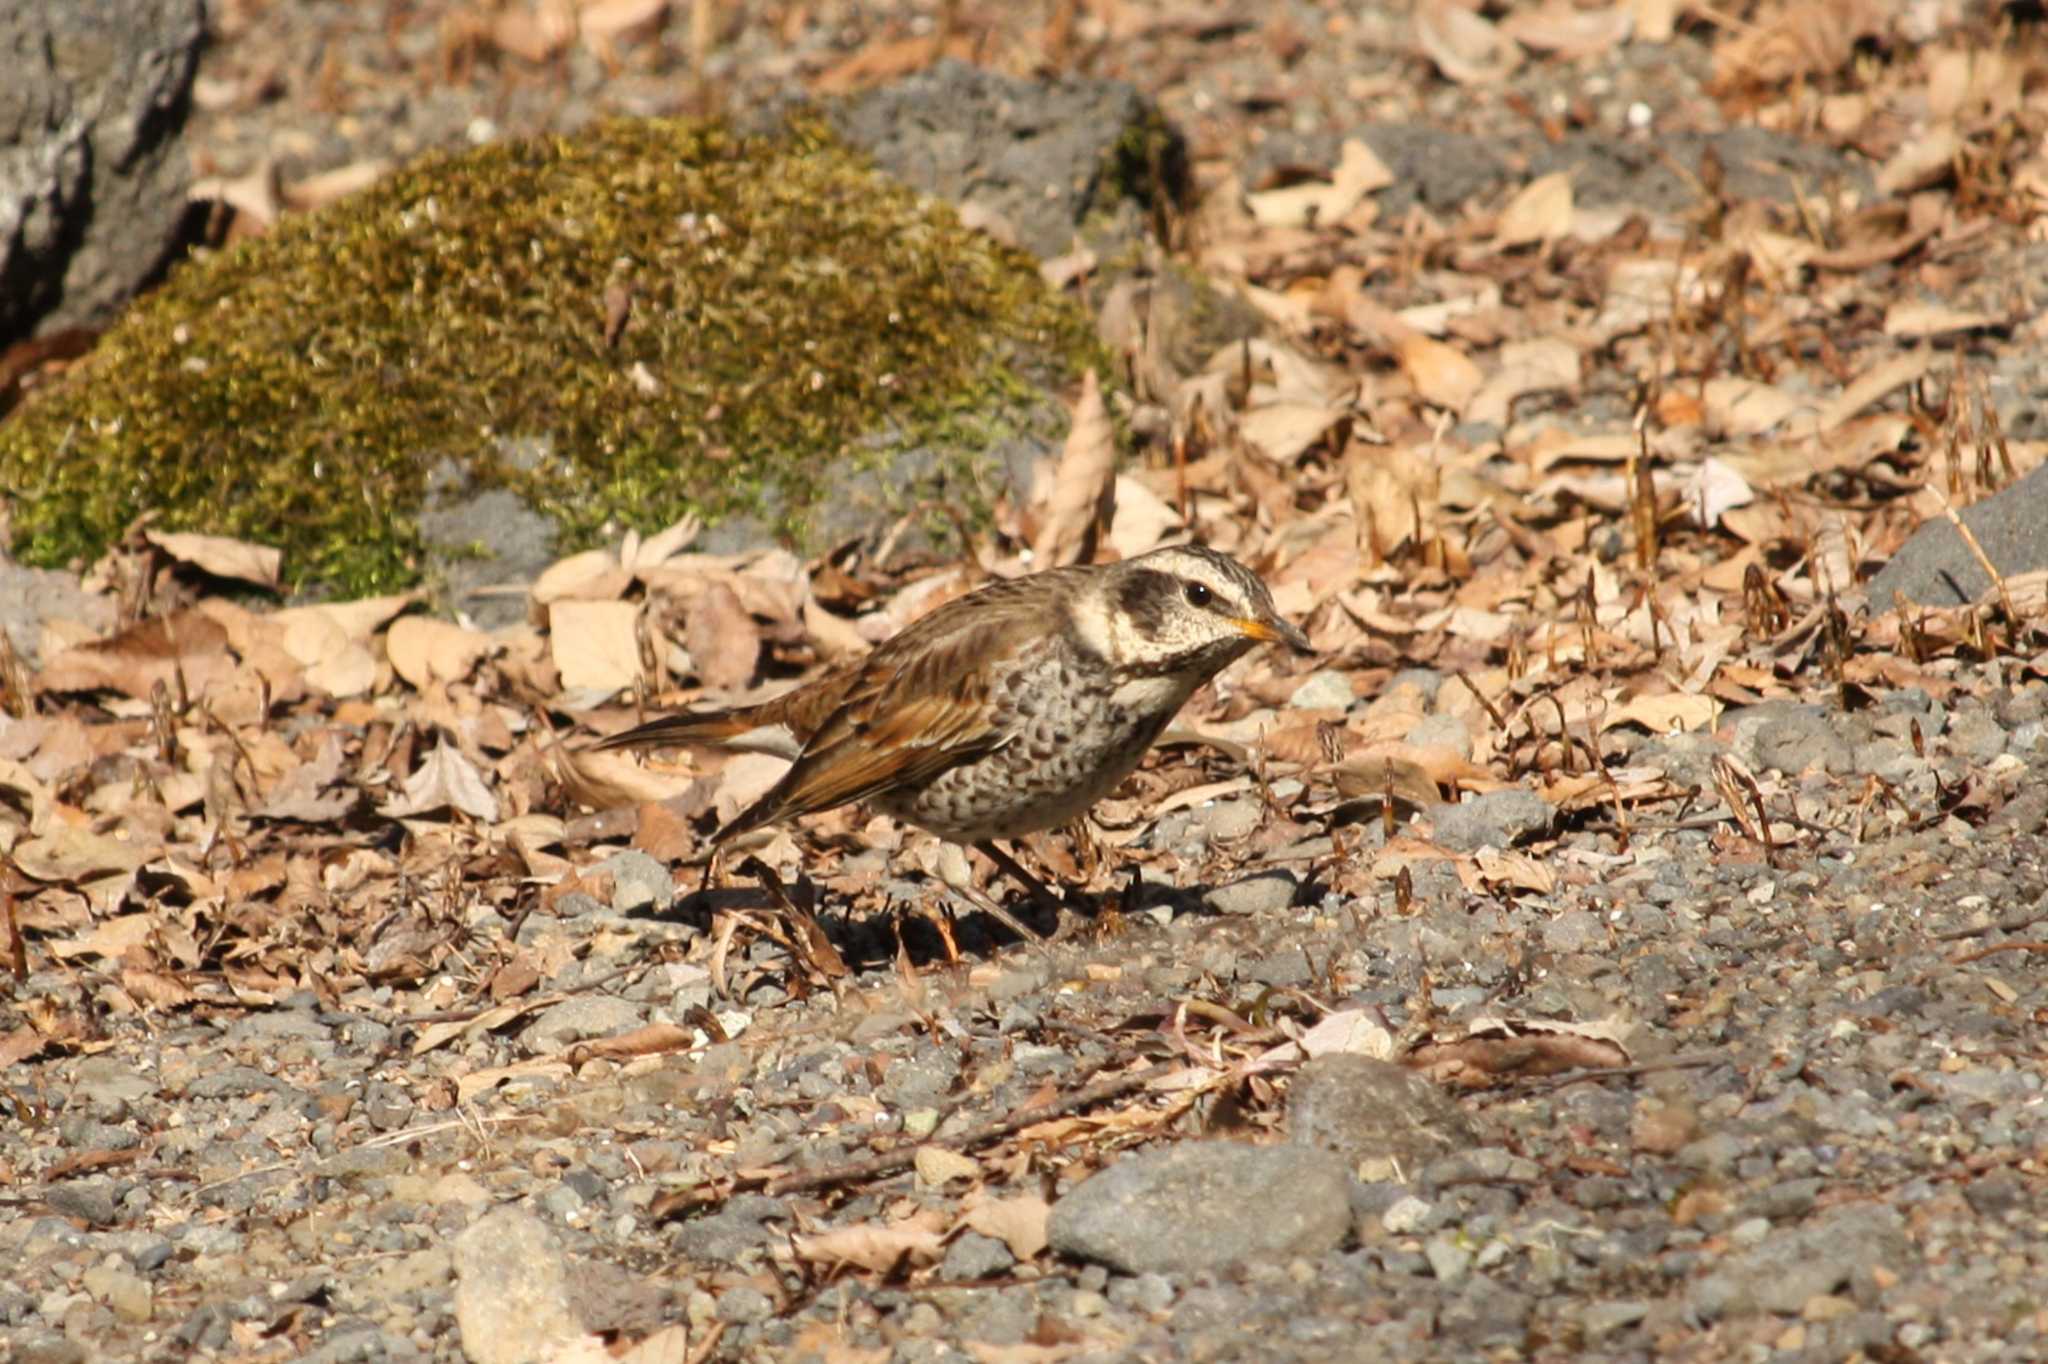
<point x="1009" y="710"/>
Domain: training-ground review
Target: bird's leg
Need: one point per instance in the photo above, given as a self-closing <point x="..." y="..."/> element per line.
<point x="1063" y="919"/>
<point x="961" y="879"/>
<point x="1014" y="869"/>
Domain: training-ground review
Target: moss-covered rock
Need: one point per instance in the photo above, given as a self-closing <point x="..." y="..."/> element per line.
<point x="647" y="319"/>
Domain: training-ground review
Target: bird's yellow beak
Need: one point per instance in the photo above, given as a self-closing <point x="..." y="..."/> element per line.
<point x="1274" y="632"/>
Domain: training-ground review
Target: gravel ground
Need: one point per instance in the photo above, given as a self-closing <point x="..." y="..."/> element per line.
<point x="1822" y="1141"/>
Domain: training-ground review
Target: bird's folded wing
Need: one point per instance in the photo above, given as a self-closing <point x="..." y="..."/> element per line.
<point x="908" y="717"/>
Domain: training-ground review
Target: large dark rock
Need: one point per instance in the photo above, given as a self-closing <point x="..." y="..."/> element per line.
<point x="93" y="173"/>
<point x="1044" y="157"/>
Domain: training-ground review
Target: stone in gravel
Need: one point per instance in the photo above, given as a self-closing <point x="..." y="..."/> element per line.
<point x="47" y="1347"/>
<point x="233" y="1082"/>
<point x="638" y="882"/>
<point x="123" y="1291"/>
<point x="1784" y="1272"/>
<point x="511" y="1290"/>
<point x="1205" y="1205"/>
<point x="1225" y="820"/>
<point x="1602" y="1319"/>
<point x="1790" y="736"/>
<point x="1449" y="1259"/>
<point x="109" y="1086"/>
<point x="1497" y="819"/>
<point x="579" y="1018"/>
<point x="732" y="1231"/>
<point x="1266" y="892"/>
<point x="974" y="1256"/>
<point x="96" y="1201"/>
<point x="1384" y="1121"/>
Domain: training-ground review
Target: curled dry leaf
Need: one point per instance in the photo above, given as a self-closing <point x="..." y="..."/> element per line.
<point x="1570" y="33"/>
<point x="221" y="556"/>
<point x="1078" y="502"/>
<point x="1463" y="44"/>
<point x="1359" y="172"/>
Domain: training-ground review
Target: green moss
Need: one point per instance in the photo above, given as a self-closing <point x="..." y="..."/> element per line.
<point x="788" y="305"/>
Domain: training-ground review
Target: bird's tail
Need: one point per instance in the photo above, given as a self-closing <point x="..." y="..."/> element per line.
<point x="742" y="729"/>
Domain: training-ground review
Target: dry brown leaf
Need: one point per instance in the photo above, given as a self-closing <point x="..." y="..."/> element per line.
<point x="724" y="643"/>
<point x="304" y="793"/>
<point x="319" y="190"/>
<point x="1019" y="1223"/>
<point x="1463" y="44"/>
<point x="1541" y="211"/>
<point x="1077" y="502"/>
<point x="1796" y="40"/>
<point x="606" y="24"/>
<point x="423" y="650"/>
<point x="1441" y="373"/>
<point x="595" y="644"/>
<point x="1926" y="161"/>
<point x="1359" y="172"/>
<point x="185" y="653"/>
<point x="916" y="1240"/>
<point x="938" y="1166"/>
<point x="1542" y="365"/>
<point x="110" y="938"/>
<point x="1282" y="431"/>
<point x="1495" y="867"/>
<point x="1914" y="320"/>
<point x="1568" y="33"/>
<point x="221" y="556"/>
<point x="444" y="780"/>
<point x="1143" y="519"/>
<point x="593" y="575"/>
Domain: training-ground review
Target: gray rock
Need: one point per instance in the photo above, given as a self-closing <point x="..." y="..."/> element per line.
<point x="738" y="1227"/>
<point x="638" y="882"/>
<point x="1385" y="1121"/>
<point x="585" y="1016"/>
<point x="1266" y="892"/>
<point x="1935" y="567"/>
<point x="1792" y="1267"/>
<point x="511" y="1290"/>
<point x="93" y="170"/>
<point x="97" y="1201"/>
<point x="974" y="1256"/>
<point x="1041" y="156"/>
<point x="1497" y="819"/>
<point x="1205" y="1205"/>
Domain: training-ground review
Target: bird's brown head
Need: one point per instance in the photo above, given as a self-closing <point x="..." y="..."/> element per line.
<point x="1185" y="610"/>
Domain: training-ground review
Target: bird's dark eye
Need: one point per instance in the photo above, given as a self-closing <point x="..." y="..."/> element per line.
<point x="1198" y="594"/>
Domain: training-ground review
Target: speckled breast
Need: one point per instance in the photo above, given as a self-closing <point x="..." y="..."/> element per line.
<point x="1072" y="738"/>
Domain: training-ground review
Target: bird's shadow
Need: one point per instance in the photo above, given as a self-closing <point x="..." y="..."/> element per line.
<point x="910" y="928"/>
